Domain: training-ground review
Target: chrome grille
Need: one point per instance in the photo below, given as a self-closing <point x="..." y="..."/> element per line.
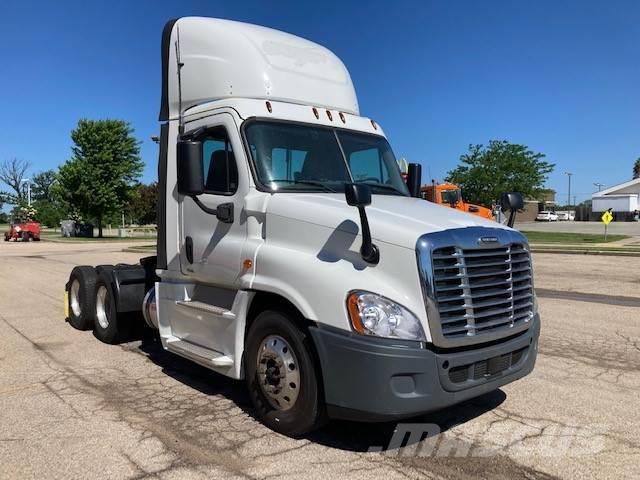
<point x="482" y="290"/>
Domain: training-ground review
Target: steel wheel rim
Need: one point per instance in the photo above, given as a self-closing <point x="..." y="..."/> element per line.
<point x="101" y="307"/>
<point x="74" y="298"/>
<point x="278" y="372"/>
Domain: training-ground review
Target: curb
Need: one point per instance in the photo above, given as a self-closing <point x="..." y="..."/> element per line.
<point x="611" y="253"/>
<point x="139" y="250"/>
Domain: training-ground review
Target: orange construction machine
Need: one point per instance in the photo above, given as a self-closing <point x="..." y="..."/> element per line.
<point x="450" y="194"/>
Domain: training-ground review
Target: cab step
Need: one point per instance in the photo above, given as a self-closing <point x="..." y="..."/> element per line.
<point x="199" y="354"/>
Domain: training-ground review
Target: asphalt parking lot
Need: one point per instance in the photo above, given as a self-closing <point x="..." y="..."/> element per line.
<point x="71" y="407"/>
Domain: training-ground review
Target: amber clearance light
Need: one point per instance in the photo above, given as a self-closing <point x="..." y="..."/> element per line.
<point x="354" y="313"/>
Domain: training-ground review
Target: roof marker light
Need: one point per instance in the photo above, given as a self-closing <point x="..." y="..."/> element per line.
<point x="342" y="117"/>
<point x="373" y="124"/>
<point x="269" y="106"/>
<point x="315" y="112"/>
<point x="330" y="116"/>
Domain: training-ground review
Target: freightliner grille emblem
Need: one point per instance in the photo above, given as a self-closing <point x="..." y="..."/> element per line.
<point x="488" y="239"/>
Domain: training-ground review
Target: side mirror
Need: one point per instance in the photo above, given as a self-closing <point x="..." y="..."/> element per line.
<point x="190" y="175"/>
<point x="414" y="179"/>
<point x="359" y="195"/>
<point x="511" y="202"/>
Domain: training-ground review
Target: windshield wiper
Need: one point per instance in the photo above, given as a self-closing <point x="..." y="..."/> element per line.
<point x="385" y="187"/>
<point x="309" y="182"/>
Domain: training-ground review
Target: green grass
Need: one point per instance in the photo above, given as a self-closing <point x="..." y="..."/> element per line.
<point x="570" y="238"/>
<point x="583" y="248"/>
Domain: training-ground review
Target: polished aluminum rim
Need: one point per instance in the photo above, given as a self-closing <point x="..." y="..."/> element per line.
<point x="74" y="298"/>
<point x="278" y="372"/>
<point x="101" y="306"/>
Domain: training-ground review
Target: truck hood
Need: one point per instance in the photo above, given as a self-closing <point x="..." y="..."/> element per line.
<point x="393" y="219"/>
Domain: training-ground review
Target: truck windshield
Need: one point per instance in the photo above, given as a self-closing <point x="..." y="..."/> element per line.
<point x="294" y="157"/>
<point x="450" y="196"/>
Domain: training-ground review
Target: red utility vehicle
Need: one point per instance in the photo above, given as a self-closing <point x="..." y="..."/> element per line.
<point x="23" y="231"/>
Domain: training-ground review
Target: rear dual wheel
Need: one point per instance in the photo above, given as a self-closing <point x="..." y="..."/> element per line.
<point x="81" y="291"/>
<point x="109" y="326"/>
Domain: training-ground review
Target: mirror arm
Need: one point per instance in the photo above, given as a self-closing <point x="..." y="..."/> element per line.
<point x="512" y="218"/>
<point x="368" y="250"/>
<point x="224" y="211"/>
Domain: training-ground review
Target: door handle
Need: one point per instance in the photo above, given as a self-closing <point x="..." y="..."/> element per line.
<point x="188" y="246"/>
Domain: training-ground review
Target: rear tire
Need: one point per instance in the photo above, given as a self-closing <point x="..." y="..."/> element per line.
<point x="81" y="297"/>
<point x="281" y="375"/>
<point x="109" y="326"/>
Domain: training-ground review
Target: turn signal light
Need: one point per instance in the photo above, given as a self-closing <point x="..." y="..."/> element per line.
<point x="354" y="313"/>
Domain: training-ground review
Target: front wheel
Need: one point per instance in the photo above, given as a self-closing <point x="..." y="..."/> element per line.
<point x="281" y="375"/>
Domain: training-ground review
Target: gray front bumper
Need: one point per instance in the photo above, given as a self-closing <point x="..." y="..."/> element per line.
<point x="371" y="379"/>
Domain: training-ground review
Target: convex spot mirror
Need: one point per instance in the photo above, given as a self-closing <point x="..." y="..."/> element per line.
<point x="511" y="201"/>
<point x="190" y="175"/>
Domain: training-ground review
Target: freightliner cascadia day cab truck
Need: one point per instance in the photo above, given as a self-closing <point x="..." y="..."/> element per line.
<point x="292" y="255"/>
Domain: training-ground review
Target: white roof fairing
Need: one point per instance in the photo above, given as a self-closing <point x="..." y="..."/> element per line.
<point x="228" y="59"/>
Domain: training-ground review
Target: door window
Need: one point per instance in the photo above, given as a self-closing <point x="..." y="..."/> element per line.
<point x="220" y="171"/>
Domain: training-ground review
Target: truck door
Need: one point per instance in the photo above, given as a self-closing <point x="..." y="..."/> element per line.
<point x="210" y="249"/>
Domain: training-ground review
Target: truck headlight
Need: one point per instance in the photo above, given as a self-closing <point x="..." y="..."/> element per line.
<point x="373" y="314"/>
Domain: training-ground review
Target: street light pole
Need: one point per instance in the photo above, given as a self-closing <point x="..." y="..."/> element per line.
<point x="568" y="174"/>
<point x="28" y="182"/>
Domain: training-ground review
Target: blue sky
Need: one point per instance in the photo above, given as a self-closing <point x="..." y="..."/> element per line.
<point x="562" y="77"/>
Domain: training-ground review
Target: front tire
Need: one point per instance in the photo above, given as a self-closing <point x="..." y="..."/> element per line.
<point x="82" y="296"/>
<point x="281" y="375"/>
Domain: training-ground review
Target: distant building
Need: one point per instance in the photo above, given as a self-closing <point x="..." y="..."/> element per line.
<point x="622" y="198"/>
<point x="545" y="201"/>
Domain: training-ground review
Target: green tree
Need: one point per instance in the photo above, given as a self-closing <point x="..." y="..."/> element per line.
<point x="41" y="184"/>
<point x="485" y="173"/>
<point x="143" y="205"/>
<point x="636" y="168"/>
<point x="48" y="212"/>
<point x="98" y="179"/>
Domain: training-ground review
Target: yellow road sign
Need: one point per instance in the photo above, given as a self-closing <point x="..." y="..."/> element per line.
<point x="606" y="218"/>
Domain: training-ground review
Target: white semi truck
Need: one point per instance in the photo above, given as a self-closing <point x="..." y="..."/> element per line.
<point x="292" y="254"/>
